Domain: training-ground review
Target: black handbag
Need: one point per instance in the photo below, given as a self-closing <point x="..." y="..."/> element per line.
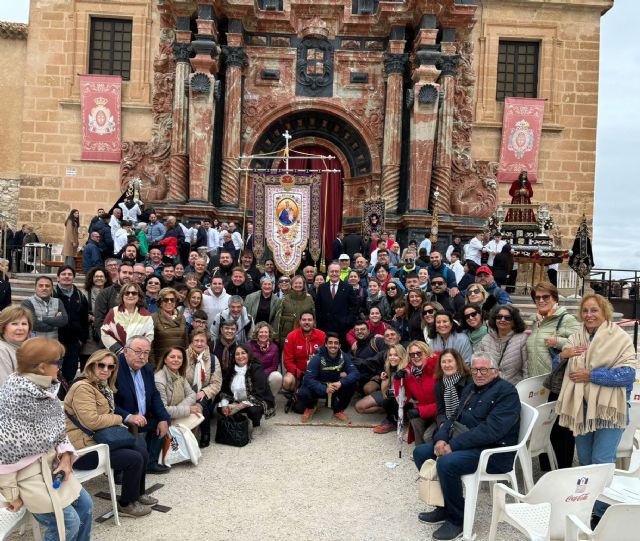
<point x="233" y="430"/>
<point x="116" y="437"/>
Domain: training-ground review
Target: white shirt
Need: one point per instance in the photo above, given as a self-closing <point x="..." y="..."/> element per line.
<point x="452" y="248"/>
<point x="492" y="248"/>
<point x="474" y="250"/>
<point x="213" y="242"/>
<point x="458" y="270"/>
<point x="213" y="305"/>
<point x="130" y="214"/>
<point x="374" y="258"/>
<point x="221" y="235"/>
<point x="236" y="237"/>
<point x="120" y="240"/>
<point x="426" y="244"/>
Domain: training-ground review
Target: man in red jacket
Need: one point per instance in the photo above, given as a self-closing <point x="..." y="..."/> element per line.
<point x="299" y="346"/>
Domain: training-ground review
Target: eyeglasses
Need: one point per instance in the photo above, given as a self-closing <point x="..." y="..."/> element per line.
<point x="543" y="298"/>
<point x="470" y="315"/>
<point x="482" y="371"/>
<point x="140" y="352"/>
<point x="169" y="300"/>
<point x="505" y="317"/>
<point x="58" y="362"/>
<point x="392" y="288"/>
<point x="138" y="274"/>
<point x="473" y="291"/>
<point x="287" y="281"/>
<point x="429" y="312"/>
<point x="437" y="284"/>
<point x="104" y="366"/>
<point x="416" y="354"/>
<point x="199" y="322"/>
<point x="130" y="293"/>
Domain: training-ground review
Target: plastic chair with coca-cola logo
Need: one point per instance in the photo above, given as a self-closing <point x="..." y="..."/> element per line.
<point x="541" y="514"/>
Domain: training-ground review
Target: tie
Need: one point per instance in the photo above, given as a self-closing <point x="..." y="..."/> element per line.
<point x="333" y="291"/>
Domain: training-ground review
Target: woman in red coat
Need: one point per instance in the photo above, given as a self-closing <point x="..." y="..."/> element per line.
<point x="419" y="380"/>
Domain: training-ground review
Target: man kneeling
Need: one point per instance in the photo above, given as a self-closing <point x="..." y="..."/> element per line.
<point x="332" y="375"/>
<point x="490" y="410"/>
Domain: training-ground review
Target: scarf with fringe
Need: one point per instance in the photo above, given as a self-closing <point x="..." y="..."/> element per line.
<point x="587" y="407"/>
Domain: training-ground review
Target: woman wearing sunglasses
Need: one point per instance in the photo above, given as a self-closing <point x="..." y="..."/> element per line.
<point x="128" y="318"/>
<point x="90" y="402"/>
<point x="477" y="294"/>
<point x="170" y="326"/>
<point x="473" y="324"/>
<point x="428" y="322"/>
<point x="506" y="342"/>
<point x="446" y="334"/>
<point x="418" y="379"/>
<point x="416" y="298"/>
<point x="34" y="446"/>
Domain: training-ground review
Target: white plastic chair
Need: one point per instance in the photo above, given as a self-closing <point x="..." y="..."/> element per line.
<point x="625" y="487"/>
<point x="12" y="521"/>
<point x="104" y="466"/>
<point x="625" y="447"/>
<point x="539" y="442"/>
<point x="528" y="416"/>
<point x="635" y="392"/>
<point x="540" y="514"/>
<point x="615" y="525"/>
<point x="532" y="392"/>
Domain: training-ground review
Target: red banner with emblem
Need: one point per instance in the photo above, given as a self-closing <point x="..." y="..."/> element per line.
<point x="100" y="99"/>
<point x="521" y="130"/>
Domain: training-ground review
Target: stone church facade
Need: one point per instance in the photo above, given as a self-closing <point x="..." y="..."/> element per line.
<point x="405" y="94"/>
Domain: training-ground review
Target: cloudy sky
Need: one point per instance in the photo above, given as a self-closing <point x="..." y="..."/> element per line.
<point x="617" y="203"/>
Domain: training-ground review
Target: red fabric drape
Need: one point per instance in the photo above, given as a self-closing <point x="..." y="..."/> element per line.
<point x="331" y="194"/>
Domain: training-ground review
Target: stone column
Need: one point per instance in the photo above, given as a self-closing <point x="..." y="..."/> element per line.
<point x="179" y="185"/>
<point x="442" y="162"/>
<point x="394" y="65"/>
<point x="424" y="113"/>
<point x="203" y="88"/>
<point x="235" y="58"/>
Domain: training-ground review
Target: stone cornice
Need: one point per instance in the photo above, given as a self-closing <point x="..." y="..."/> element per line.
<point x="13" y="30"/>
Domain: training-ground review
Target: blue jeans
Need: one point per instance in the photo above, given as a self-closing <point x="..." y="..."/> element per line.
<point x="598" y="447"/>
<point x="77" y="520"/>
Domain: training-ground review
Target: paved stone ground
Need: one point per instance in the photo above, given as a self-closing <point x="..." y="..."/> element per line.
<point x="302" y="482"/>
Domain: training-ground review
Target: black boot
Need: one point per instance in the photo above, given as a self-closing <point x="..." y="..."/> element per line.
<point x="205" y="439"/>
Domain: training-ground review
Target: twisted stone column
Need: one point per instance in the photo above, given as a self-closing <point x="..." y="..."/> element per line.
<point x="394" y="65"/>
<point x="235" y="58"/>
<point x="443" y="150"/>
<point x="179" y="168"/>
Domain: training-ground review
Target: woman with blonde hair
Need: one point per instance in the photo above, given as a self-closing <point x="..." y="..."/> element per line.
<point x="395" y="359"/>
<point x="169" y="325"/>
<point x="35" y="449"/>
<point x="128" y="318"/>
<point x="89" y="406"/>
<point x="477" y="294"/>
<point x="16" y="323"/>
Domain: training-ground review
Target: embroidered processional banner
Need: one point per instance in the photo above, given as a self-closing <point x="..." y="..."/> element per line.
<point x="287" y="217"/>
<point x="100" y="99"/>
<point x="521" y="130"/>
<point x="373" y="217"/>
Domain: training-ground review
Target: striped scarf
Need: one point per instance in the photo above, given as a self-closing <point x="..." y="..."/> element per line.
<point x="451" y="399"/>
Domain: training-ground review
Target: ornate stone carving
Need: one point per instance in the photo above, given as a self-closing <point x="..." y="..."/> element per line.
<point x="200" y="83"/>
<point x="410" y="96"/>
<point x="448" y="65"/>
<point x="395" y="63"/>
<point x="314" y="68"/>
<point x="234" y="56"/>
<point x="182" y="51"/>
<point x="474" y="186"/>
<point x="428" y="94"/>
<point x="151" y="160"/>
<point x="463" y="100"/>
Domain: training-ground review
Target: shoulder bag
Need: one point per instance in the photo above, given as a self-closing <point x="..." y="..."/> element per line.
<point x="233" y="430"/>
<point x="429" y="488"/>
<point x="553" y="381"/>
<point x="116" y="437"/>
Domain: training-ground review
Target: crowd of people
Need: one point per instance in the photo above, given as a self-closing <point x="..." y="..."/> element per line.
<point x="185" y="327"/>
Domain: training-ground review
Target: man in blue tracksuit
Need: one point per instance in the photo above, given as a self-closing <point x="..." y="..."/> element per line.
<point x="490" y="410"/>
<point x="330" y="374"/>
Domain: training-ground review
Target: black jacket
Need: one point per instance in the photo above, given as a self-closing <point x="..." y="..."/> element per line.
<point x="77" y="307"/>
<point x="5" y="292"/>
<point x="449" y="303"/>
<point x="438" y="391"/>
<point x="352" y="244"/>
<point x="336" y="314"/>
<point x="492" y="415"/>
<point x="255" y="381"/>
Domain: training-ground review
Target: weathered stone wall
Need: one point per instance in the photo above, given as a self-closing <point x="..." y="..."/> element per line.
<point x="569" y="35"/>
<point x="9" y="191"/>
<point x="55" y="179"/>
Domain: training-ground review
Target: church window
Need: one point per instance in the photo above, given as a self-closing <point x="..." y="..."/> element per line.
<point x="110" y="47"/>
<point x="517" y="69"/>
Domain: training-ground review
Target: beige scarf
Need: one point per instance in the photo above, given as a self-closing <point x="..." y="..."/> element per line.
<point x="606" y="407"/>
<point x="178" y="387"/>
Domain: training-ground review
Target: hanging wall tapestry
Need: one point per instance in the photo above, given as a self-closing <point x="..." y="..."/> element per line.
<point x="100" y="97"/>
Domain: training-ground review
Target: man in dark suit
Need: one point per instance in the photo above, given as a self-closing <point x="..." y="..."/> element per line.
<point x="336" y="305"/>
<point x="248" y="243"/>
<point x="353" y="244"/>
<point x="338" y="246"/>
<point x="138" y="400"/>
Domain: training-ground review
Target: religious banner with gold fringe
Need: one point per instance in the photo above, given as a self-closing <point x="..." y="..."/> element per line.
<point x="100" y="98"/>
<point x="287" y="217"/>
<point x="373" y="217"/>
<point x="521" y="130"/>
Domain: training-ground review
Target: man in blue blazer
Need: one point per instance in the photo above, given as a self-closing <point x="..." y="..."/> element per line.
<point x="138" y="400"/>
<point x="336" y="305"/>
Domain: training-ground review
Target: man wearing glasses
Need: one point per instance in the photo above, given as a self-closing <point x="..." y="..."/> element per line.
<point x="490" y="411"/>
<point x="440" y="293"/>
<point x="138" y="400"/>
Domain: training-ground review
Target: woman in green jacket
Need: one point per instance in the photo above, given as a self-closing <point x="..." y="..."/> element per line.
<point x="293" y="304"/>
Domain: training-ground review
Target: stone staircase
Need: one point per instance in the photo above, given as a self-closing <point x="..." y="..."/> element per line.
<point x="23" y="284"/>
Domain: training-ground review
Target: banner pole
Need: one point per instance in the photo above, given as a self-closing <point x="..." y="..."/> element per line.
<point x="244" y="213"/>
<point x="323" y="255"/>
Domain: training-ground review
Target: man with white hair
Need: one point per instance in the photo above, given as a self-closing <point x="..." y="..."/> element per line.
<point x="238" y="313"/>
<point x="487" y="416"/>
